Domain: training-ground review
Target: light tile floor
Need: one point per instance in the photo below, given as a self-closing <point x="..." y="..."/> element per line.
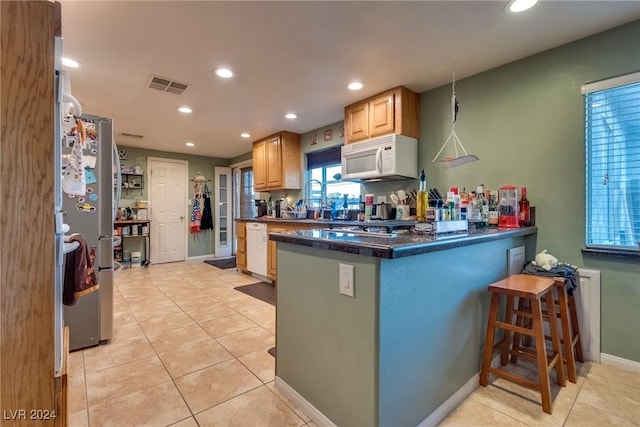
<point x="189" y="350"/>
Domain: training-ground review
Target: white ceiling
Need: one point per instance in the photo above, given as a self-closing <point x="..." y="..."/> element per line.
<point x="291" y="56"/>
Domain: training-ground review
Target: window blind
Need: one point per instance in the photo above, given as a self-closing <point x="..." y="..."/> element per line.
<point x="321" y="159"/>
<point x="612" y="130"/>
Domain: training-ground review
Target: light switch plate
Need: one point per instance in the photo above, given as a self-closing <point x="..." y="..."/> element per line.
<point x="346" y="280"/>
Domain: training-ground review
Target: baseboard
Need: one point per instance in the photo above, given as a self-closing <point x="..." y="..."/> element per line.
<point x="619" y="362"/>
<point x="301" y="403"/>
<point x="198" y="257"/>
<point x="442" y="411"/>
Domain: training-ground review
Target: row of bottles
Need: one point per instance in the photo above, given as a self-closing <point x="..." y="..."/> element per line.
<point x="494" y="208"/>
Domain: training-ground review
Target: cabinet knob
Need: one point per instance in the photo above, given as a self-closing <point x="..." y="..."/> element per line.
<point x="181" y="217"/>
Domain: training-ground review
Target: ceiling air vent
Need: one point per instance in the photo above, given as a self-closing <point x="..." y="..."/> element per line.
<point x="130" y="135"/>
<point x="167" y="85"/>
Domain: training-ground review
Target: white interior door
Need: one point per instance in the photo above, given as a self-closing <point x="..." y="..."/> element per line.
<point x="223" y="227"/>
<point x="168" y="201"/>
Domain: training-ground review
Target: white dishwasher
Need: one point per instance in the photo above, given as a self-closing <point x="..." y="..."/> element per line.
<point x="257" y="248"/>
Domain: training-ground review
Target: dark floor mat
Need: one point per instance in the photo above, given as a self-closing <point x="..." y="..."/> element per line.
<point x="272" y="351"/>
<point x="263" y="291"/>
<point x="222" y="263"/>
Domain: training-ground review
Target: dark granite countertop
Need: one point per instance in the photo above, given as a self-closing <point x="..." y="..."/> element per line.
<point x="401" y="245"/>
<point x="390" y="224"/>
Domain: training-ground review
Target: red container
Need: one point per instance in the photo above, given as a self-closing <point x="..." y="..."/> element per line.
<point x="508" y="206"/>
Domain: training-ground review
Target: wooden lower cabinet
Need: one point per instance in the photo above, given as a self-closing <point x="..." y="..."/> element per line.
<point x="241" y="252"/>
<point x="272" y="247"/>
<point x="272" y="257"/>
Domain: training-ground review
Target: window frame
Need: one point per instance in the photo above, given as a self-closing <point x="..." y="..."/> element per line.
<point x="595" y="244"/>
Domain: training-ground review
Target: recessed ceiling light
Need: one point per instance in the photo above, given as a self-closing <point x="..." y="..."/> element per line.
<point x="290" y="116"/>
<point x="185" y="110"/>
<point x="68" y="62"/>
<point x="189" y="144"/>
<point x="225" y="73"/>
<point x="245" y="135"/>
<point x="355" y="85"/>
<point x="516" y="6"/>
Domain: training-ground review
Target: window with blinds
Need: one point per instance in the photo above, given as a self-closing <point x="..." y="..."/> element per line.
<point x="612" y="130"/>
<point x="246" y="197"/>
<point x="324" y="166"/>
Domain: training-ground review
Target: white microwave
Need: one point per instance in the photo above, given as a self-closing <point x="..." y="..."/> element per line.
<point x="386" y="157"/>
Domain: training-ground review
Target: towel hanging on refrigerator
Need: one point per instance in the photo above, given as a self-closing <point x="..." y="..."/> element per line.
<point x="74" y="182"/>
<point x="79" y="272"/>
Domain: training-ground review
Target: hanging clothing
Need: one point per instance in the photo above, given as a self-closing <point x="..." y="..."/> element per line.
<point x="196" y="214"/>
<point x="206" y="222"/>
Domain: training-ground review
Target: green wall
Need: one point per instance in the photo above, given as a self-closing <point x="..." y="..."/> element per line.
<point x="525" y="121"/>
<point x="241" y="158"/>
<point x="200" y="243"/>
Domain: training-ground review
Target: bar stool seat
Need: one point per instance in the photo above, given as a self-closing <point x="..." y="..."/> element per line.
<point x="534" y="290"/>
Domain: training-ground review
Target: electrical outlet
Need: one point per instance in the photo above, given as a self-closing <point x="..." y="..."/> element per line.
<point x="346" y="280"/>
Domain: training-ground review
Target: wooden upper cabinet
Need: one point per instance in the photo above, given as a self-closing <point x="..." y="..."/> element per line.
<point x="356" y="122"/>
<point x="277" y="162"/>
<point x="381" y="114"/>
<point x="274" y="162"/>
<point x="260" y="165"/>
<point x="394" y="111"/>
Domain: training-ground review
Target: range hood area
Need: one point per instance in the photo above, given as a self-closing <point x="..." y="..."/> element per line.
<point x="385" y="158"/>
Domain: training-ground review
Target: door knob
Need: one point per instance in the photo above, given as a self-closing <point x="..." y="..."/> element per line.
<point x="181" y="217"/>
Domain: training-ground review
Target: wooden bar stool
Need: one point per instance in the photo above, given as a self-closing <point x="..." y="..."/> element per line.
<point x="533" y="289"/>
<point x="565" y="306"/>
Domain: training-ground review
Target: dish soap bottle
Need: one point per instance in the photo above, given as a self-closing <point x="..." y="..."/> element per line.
<point x="422" y="202"/>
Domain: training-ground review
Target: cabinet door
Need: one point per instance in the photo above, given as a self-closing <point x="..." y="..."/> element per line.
<point x="260" y="165"/>
<point x="241" y="255"/>
<point x="272" y="251"/>
<point x="274" y="162"/>
<point x="381" y="115"/>
<point x="356" y="122"/>
<point x="272" y="261"/>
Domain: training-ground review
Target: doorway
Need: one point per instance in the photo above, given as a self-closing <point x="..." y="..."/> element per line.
<point x="168" y="202"/>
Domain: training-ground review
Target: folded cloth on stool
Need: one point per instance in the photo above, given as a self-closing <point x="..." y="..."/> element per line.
<point x="79" y="273"/>
<point x="566" y="271"/>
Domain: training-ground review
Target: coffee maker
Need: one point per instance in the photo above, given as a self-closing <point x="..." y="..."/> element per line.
<point x="261" y="208"/>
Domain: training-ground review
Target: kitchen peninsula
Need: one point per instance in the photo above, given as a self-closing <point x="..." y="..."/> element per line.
<point x="409" y="339"/>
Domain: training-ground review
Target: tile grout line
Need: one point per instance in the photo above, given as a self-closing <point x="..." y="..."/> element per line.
<point x="146" y="336"/>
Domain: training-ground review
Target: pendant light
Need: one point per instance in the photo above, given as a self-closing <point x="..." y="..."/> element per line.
<point x="451" y="162"/>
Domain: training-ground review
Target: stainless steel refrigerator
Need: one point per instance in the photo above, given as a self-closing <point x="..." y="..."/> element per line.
<point x="90" y="320"/>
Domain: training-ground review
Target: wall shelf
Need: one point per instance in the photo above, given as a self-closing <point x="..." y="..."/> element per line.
<point x="132" y="181"/>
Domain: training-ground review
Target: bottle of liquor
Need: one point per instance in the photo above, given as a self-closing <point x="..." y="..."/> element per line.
<point x="479" y="208"/>
<point x="422" y="202"/>
<point x="524" y="209"/>
<point x="492" y="216"/>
